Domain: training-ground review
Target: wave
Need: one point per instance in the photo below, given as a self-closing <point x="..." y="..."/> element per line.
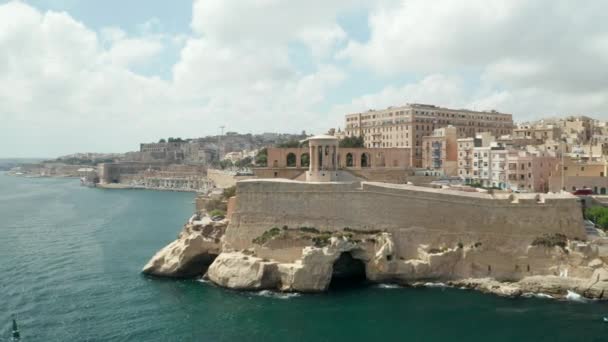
<point x="575" y="297"/>
<point x="278" y="295"/>
<point x="388" y="286"/>
<point x="203" y="281"/>
<point x="537" y="295"/>
<point x="440" y="285"/>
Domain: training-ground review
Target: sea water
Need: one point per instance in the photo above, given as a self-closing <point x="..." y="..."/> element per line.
<point x="70" y="261"/>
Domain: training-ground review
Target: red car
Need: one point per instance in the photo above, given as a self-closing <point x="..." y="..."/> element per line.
<point x="583" y="192"/>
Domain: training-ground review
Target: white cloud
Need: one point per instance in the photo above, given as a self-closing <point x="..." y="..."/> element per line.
<point x="549" y="43"/>
<point x="322" y="40"/>
<point x="61" y="81"/>
<point x="125" y="52"/>
<point x="435" y="89"/>
<point x="69" y="88"/>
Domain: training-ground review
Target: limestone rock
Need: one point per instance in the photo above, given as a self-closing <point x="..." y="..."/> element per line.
<point x="489" y="285"/>
<point x="189" y="255"/>
<point x="597" y="285"/>
<point x="552" y="285"/>
<point x="239" y="271"/>
<point x="596" y="263"/>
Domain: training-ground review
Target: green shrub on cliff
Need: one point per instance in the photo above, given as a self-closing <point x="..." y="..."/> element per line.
<point x="229" y="192"/>
<point x="359" y="231"/>
<point x="267" y="236"/>
<point x="321" y="240"/>
<point x="215" y="204"/>
<point x="217" y="212"/>
<point x="309" y="230"/>
<point x="551" y="240"/>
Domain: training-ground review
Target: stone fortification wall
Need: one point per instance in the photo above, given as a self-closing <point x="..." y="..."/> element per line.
<point x="413" y="215"/>
<point x="290" y="236"/>
<point x="224" y="179"/>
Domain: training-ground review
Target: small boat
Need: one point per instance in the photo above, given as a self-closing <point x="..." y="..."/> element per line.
<point x="16" y="336"/>
<point x="606" y="319"/>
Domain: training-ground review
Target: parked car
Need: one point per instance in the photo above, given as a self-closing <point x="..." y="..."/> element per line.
<point x="583" y="192"/>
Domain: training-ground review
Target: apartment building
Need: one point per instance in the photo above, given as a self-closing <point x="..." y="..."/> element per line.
<point x="581" y="174"/>
<point x="440" y="151"/>
<point x="490" y="163"/>
<point x="530" y="171"/>
<point x="537" y="133"/>
<point x="405" y="126"/>
<point x="467" y="157"/>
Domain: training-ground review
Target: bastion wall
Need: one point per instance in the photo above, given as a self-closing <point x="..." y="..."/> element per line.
<point x="414" y="215"/>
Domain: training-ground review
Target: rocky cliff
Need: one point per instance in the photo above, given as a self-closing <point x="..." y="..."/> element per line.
<point x="190" y="255"/>
<point x="307" y="238"/>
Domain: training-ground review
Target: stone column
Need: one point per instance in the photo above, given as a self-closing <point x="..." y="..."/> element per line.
<point x="335" y="157"/>
<point x="313" y="162"/>
<point x="322" y="159"/>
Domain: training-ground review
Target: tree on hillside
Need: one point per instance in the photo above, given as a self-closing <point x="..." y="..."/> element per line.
<point x="352" y="142"/>
<point x="261" y="159"/>
<point x="162" y="141"/>
<point x="290" y="144"/>
<point x="245" y="162"/>
<point x="225" y="164"/>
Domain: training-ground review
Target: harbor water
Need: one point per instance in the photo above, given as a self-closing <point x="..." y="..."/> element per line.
<point x="70" y="261"/>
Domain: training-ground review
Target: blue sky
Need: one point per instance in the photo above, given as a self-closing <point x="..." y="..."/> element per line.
<point x="106" y="75"/>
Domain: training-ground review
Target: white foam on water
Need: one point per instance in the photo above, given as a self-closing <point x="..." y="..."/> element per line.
<point x="537" y="295"/>
<point x="278" y="295"/>
<point x="575" y="297"/>
<point x="201" y="280"/>
<point x="440" y="285"/>
<point x="388" y="286"/>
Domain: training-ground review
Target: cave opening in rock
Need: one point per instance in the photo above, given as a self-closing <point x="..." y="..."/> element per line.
<point x="197" y="266"/>
<point x="348" y="272"/>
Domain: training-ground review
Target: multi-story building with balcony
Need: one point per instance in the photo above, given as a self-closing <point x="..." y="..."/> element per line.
<point x="490" y="163"/>
<point x="468" y="159"/>
<point x="405" y="126"/>
<point x="530" y="171"/>
<point x="440" y="151"/>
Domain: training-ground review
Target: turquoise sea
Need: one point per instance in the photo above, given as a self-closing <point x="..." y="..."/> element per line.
<point x="70" y="260"/>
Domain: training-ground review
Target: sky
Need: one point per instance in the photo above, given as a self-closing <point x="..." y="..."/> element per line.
<point x="103" y="76"/>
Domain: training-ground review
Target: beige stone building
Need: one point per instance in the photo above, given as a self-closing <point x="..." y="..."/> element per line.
<point x="355" y="158"/>
<point x="580" y="174"/>
<point x="379" y="164"/>
<point x="530" y="172"/>
<point x="405" y="126"/>
<point x="440" y="151"/>
<point x="467" y="158"/>
<point x="537" y="133"/>
<point x="490" y="163"/>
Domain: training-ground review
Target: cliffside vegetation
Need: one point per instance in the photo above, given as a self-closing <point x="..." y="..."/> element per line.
<point x="599" y="215"/>
<point x="318" y="238"/>
<point x="219" y="206"/>
<point x="551" y="240"/>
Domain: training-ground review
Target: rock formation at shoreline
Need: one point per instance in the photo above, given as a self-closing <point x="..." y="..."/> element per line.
<point x="198" y="251"/>
<point x="190" y="255"/>
<point x="292" y="236"/>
